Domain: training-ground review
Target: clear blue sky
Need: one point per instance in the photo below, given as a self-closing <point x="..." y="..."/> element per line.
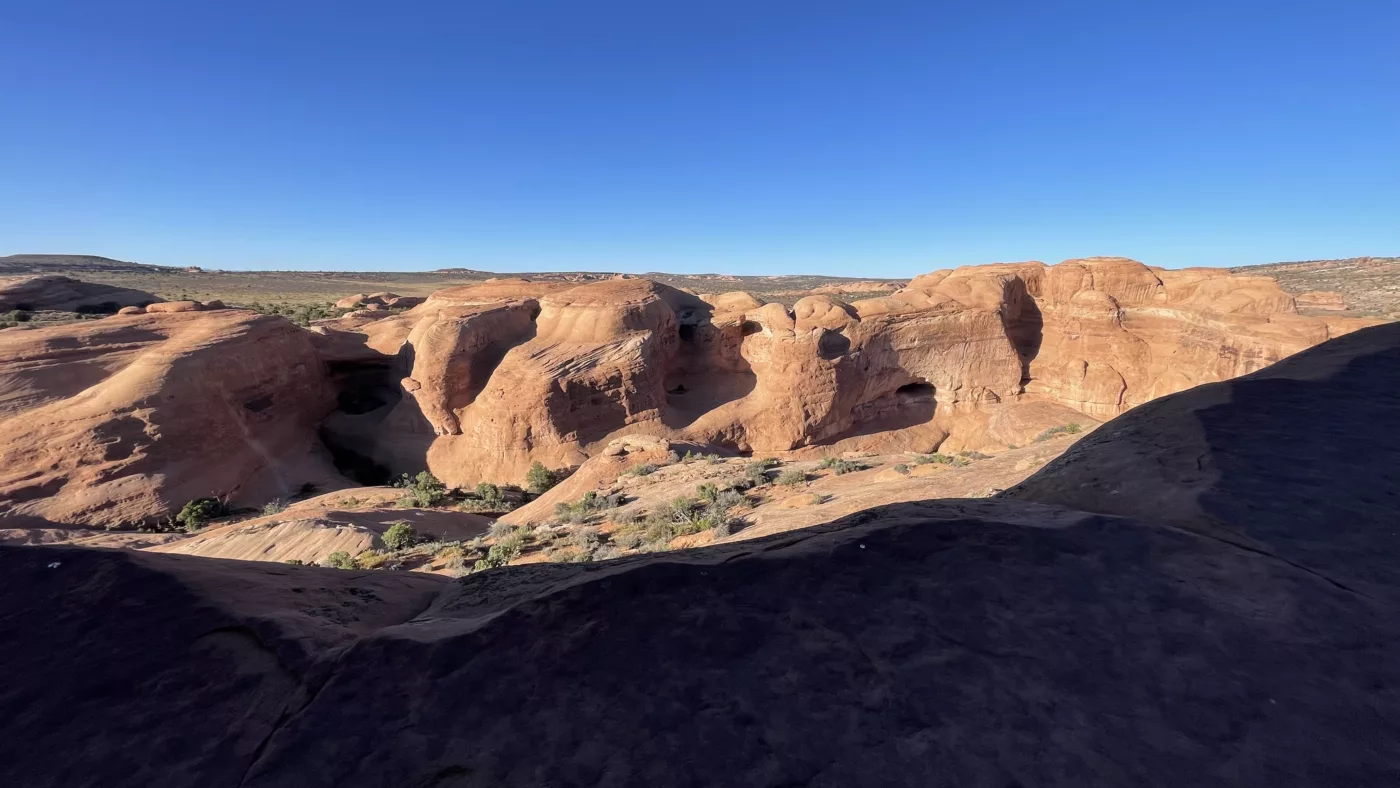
<point x="855" y="138"/>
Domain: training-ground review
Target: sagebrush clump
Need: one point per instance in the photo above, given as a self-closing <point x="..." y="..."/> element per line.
<point x="791" y="477"/>
<point x="1063" y="429"/>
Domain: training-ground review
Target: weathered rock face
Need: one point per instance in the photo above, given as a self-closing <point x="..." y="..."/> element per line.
<point x="125" y="419"/>
<point x="63" y="294"/>
<point x="478" y="382"/>
<point x="504" y="373"/>
<point x="1218" y="612"/>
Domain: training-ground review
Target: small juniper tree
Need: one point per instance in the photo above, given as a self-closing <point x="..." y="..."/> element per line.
<point x="539" y="478"/>
<point x="400" y="536"/>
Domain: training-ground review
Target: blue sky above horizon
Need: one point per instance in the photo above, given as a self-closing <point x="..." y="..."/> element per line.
<point x="872" y="138"/>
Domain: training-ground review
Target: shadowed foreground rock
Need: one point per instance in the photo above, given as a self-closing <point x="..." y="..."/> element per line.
<point x="1247" y="638"/>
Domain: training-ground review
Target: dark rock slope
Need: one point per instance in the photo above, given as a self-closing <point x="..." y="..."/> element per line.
<point x="1202" y="593"/>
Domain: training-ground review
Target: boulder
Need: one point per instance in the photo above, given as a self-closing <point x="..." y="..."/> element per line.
<point x="64" y="294"/>
<point x="175" y="306"/>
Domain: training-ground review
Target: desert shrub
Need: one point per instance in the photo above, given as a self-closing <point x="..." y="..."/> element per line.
<point x="197" y="513"/>
<point x="645" y="469"/>
<point x="713" y="459"/>
<point x="707" y="492"/>
<point x="843" y="467"/>
<point x="400" y="536"/>
<point x="499" y="555"/>
<point x="606" y="552"/>
<point x="756" y="473"/>
<point x="1073" y="428"/>
<point x="587" y="539"/>
<point x="539" y="478"/>
<point x="274" y="506"/>
<point x="933" y="459"/>
<point x="974" y="455"/>
<point x="350" y="502"/>
<point x="827" y="462"/>
<point x="672" y="458"/>
<point x="489" y="493"/>
<point x="448" y="549"/>
<point x="456" y="565"/>
<point x="516" y="540"/>
<point x="683" y="516"/>
<point x="371" y="559"/>
<point x="629" y="539"/>
<point x="499" y="530"/>
<point x="423" y="490"/>
<point x="341" y="560"/>
<point x="791" y="477"/>
<point x="901" y="468"/>
<point x="301" y="314"/>
<point x="583" y="509"/>
<point x="294" y="562"/>
<point x="1063" y="429"/>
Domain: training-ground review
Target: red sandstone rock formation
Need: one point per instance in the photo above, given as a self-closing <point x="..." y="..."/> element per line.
<point x="123" y="420"/>
<point x="511" y="371"/>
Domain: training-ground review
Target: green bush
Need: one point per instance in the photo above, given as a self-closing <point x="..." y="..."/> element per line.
<point x="400" y="536"/>
<point x="974" y="455"/>
<point x="424" y="490"/>
<point x="274" y="506"/>
<point x="499" y="555"/>
<point x="645" y="469"/>
<point x="933" y="459"/>
<point x="539" y="478"/>
<point x="489" y="492"/>
<point x="707" y="492"/>
<point x="197" y="513"/>
<point x="901" y="468"/>
<point x="341" y="560"/>
<point x="827" y="462"/>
